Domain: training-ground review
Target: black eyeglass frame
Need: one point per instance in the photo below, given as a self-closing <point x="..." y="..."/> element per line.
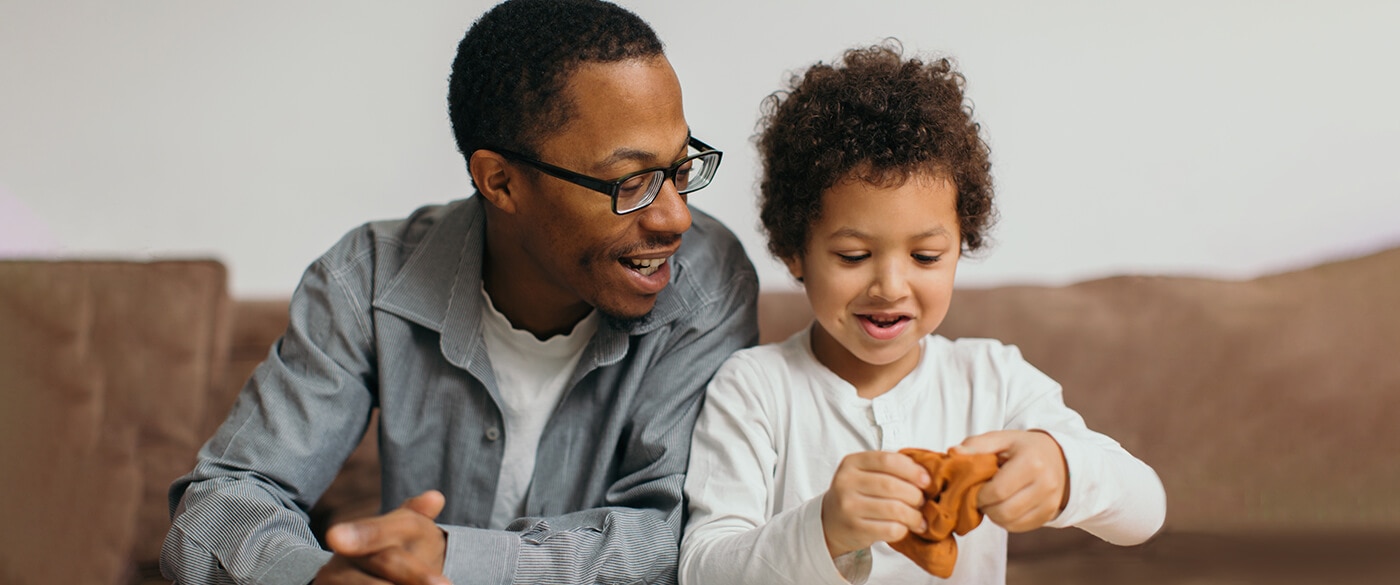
<point x="610" y="188"/>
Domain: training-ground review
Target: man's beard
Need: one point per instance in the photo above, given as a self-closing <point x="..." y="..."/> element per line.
<point x="623" y="323"/>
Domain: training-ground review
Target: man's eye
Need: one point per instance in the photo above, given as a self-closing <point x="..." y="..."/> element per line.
<point x="633" y="186"/>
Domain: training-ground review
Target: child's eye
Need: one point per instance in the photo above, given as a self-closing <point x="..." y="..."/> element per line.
<point x="927" y="258"/>
<point x="853" y="258"/>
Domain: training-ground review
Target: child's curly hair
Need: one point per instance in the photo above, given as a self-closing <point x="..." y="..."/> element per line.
<point x="877" y="117"/>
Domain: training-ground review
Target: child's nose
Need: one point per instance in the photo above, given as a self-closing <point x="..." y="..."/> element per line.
<point x="890" y="283"/>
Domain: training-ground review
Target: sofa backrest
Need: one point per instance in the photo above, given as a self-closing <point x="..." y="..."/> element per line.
<point x="1263" y="404"/>
<point x="104" y="371"/>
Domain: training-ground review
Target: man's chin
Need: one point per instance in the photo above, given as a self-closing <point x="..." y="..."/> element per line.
<point x="625" y="318"/>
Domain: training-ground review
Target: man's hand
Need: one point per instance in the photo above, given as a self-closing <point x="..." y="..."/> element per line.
<point x="403" y="547"/>
<point x="875" y="496"/>
<point x="1031" y="488"/>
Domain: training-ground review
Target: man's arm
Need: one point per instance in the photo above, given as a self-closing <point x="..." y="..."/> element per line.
<point x="240" y="515"/>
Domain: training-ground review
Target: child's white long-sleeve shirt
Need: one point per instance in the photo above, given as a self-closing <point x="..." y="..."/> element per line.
<point x="776" y="424"/>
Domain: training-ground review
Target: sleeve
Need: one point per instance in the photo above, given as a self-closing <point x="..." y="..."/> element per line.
<point x="1112" y="494"/>
<point x="636" y="538"/>
<point x="240" y="515"/>
<point x="730" y="487"/>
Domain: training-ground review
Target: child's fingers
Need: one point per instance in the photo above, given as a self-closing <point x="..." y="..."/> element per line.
<point x="888" y="487"/>
<point x="1023" y="511"/>
<point x="872" y="513"/>
<point x="994" y="442"/>
<point x="883" y="530"/>
<point x="1013" y="477"/>
<point x="895" y="464"/>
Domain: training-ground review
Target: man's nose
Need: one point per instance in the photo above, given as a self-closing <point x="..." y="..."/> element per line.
<point x="668" y="213"/>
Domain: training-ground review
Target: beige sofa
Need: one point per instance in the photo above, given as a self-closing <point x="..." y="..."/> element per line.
<point x="1270" y="408"/>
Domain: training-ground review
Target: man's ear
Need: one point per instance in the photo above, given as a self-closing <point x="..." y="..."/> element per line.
<point x="794" y="266"/>
<point x="492" y="174"/>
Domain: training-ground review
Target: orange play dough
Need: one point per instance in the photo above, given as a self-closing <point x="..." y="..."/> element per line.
<point x="950" y="506"/>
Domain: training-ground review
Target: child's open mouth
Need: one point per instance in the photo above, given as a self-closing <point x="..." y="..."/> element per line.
<point x="884" y="327"/>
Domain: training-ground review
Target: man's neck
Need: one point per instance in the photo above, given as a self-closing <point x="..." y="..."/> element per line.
<point x="528" y="305"/>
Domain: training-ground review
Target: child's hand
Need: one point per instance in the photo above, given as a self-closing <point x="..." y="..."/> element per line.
<point x="1031" y="487"/>
<point x="875" y="496"/>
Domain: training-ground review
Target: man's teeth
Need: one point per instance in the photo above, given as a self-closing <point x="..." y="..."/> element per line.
<point x="647" y="266"/>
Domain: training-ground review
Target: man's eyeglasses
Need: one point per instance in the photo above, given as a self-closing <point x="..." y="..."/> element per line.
<point x="634" y="191"/>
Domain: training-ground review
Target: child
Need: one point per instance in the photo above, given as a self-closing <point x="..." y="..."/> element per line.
<point x="875" y="182"/>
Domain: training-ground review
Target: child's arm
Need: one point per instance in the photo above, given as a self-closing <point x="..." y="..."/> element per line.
<point x="734" y="535"/>
<point x="1110" y="493"/>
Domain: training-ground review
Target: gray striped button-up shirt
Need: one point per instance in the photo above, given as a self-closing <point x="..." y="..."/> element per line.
<point x="389" y="318"/>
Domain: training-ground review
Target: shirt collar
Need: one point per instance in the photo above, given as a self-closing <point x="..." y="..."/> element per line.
<point x="439" y="286"/>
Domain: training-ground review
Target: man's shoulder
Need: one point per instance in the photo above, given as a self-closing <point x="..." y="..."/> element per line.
<point x="387" y="244"/>
<point x="711" y="256"/>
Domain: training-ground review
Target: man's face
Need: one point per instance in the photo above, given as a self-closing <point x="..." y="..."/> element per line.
<point x="627" y="116"/>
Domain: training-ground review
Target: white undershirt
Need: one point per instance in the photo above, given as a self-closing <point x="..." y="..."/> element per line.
<point x="531" y="375"/>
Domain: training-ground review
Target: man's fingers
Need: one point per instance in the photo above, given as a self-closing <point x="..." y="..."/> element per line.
<point x="341" y="571"/>
<point x="400" y="567"/>
<point x="352" y="538"/>
<point x="368" y="536"/>
<point x="429" y="503"/>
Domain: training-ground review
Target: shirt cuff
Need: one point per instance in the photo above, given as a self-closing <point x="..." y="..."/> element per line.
<point x="855" y="566"/>
<point x="297" y="567"/>
<point x="1081" y="465"/>
<point x="480" y="557"/>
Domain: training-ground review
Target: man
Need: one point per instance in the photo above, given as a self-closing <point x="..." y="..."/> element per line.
<point x="537" y="352"/>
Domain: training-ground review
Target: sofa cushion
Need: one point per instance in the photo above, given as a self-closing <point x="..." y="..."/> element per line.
<point x="109" y="364"/>
<point x="1234" y="558"/>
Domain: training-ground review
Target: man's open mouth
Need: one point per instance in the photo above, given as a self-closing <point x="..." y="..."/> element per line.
<point x="646" y="266"/>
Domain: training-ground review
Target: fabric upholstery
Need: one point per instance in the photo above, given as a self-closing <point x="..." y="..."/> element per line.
<point x="1251" y="399"/>
<point x="105" y="367"/>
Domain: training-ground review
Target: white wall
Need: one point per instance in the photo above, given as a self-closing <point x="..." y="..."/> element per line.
<point x="1218" y="138"/>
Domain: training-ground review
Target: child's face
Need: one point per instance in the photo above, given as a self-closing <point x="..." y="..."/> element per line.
<point x="878" y="269"/>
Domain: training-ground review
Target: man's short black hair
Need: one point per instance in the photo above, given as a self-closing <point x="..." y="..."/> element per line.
<point x="506" y="89"/>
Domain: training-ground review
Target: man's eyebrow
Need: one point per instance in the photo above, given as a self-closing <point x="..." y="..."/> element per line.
<point x="643" y="156"/>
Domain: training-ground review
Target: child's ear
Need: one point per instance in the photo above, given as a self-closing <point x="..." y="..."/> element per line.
<point x="794" y="266"/>
<point x="491" y="173"/>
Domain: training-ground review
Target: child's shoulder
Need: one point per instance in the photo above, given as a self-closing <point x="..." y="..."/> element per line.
<point x="774" y="355"/>
<point x="973" y="352"/>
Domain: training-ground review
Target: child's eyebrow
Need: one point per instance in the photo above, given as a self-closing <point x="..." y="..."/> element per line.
<point x="855" y="233"/>
<point x="938" y="231"/>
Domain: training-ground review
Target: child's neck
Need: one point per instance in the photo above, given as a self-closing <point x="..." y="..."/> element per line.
<point x="870" y="380"/>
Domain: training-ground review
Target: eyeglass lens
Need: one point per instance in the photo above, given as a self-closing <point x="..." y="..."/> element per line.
<point x="639" y="191"/>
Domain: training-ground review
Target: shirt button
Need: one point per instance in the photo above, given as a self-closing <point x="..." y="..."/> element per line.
<point x="492" y="434"/>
